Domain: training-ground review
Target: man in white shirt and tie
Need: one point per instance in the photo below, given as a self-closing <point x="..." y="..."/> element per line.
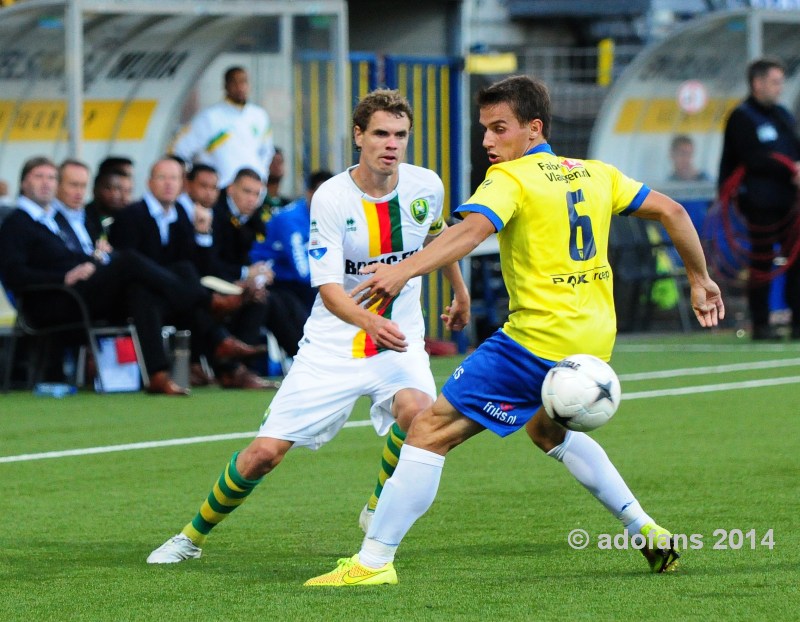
<point x="73" y="183"/>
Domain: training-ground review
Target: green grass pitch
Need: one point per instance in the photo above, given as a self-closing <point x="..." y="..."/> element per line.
<point x="77" y="529"/>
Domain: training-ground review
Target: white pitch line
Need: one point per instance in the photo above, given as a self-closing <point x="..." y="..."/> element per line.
<point x="107" y="449"/>
<point x="711" y="369"/>
<point x="706" y="347"/>
<point x="636" y="395"/>
<point x="709" y="388"/>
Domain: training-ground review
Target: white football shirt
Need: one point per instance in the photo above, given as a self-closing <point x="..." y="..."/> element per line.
<point x="349" y="230"/>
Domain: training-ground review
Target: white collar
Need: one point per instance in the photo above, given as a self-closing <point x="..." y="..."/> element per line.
<point x="72" y="215"/>
<point x="157" y="210"/>
<point x="235" y="211"/>
<point x="34" y="210"/>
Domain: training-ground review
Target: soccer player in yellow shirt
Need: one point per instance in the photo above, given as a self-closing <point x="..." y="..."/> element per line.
<point x="552" y="216"/>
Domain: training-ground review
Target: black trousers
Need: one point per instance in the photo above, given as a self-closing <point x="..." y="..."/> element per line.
<point x="282" y="314"/>
<point x="134" y="286"/>
<point x="767" y="229"/>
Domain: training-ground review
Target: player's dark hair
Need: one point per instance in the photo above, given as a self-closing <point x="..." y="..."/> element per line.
<point x="246" y="172"/>
<point x="528" y="98"/>
<point x="33" y="163"/>
<point x="679" y="140"/>
<point x="761" y="67"/>
<point x="317" y="178"/>
<point x="232" y="71"/>
<point x="199" y="168"/>
<point x="385" y="100"/>
<point x="114" y="163"/>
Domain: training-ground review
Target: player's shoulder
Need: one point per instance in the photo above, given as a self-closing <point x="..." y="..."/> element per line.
<point x="412" y="174"/>
<point x="254" y="110"/>
<point x="336" y="183"/>
<point x="333" y="190"/>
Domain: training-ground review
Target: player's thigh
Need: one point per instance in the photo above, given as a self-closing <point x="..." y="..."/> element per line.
<point x="314" y="401"/>
<point x="441" y="427"/>
<point x="407" y="404"/>
<point x="499" y="385"/>
<point x="399" y="383"/>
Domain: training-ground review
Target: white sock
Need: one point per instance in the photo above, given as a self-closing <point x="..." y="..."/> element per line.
<point x="406" y="496"/>
<point x="589" y="464"/>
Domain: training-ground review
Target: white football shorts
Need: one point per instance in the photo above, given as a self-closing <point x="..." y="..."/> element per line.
<point x="319" y="392"/>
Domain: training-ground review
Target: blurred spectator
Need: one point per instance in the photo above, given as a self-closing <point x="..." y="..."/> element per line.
<point x="4" y="198"/>
<point x="37" y="251"/>
<point x="159" y="229"/>
<point x="113" y="190"/>
<point x="681" y="152"/>
<point x="231" y="134"/>
<point x="201" y="185"/>
<point x="286" y="244"/>
<point x="277" y="169"/>
<point x="760" y="170"/>
<point x="200" y="192"/>
<point x="237" y="226"/>
<point x="684" y="171"/>
<point x="73" y="182"/>
<point x="116" y="163"/>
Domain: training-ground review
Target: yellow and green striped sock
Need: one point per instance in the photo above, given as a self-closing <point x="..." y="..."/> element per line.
<point x="228" y="493"/>
<point x="391" y="454"/>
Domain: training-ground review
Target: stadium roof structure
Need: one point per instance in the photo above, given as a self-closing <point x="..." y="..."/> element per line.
<point x="137" y="60"/>
<point x="686" y="85"/>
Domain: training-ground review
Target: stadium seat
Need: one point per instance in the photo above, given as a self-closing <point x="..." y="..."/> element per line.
<point x="82" y="332"/>
<point x="641" y="258"/>
<point x="8" y="319"/>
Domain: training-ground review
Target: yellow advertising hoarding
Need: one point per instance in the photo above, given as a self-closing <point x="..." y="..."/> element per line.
<point x="43" y="120"/>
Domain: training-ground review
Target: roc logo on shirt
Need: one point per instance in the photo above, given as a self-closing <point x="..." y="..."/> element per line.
<point x="419" y="210"/>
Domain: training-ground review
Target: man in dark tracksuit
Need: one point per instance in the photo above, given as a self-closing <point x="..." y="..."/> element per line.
<point x="762" y="148"/>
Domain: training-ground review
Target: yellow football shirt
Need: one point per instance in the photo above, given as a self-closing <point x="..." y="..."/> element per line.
<point x="552" y="215"/>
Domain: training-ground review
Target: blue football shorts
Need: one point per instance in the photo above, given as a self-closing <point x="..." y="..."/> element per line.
<point x="499" y="385"/>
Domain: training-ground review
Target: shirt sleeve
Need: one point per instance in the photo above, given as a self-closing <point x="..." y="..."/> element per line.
<point x="627" y="194"/>
<point x="437" y="224"/>
<point x="325" y="246"/>
<point x="190" y="140"/>
<point x="498" y="198"/>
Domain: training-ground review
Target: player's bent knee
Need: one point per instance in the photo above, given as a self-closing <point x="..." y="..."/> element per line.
<point x="261" y="457"/>
<point x="440" y="428"/>
<point x="545" y="433"/>
<point x="408" y="404"/>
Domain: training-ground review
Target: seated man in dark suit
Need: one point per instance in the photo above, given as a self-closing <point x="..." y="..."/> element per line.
<point x="286" y="246"/>
<point x="238" y="224"/>
<point x="159" y="228"/>
<point x="111" y="193"/>
<point x="36" y="252"/>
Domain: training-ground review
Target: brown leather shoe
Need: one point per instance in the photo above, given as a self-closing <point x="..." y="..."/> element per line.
<point x="233" y="348"/>
<point x="223" y="305"/>
<point x="243" y="378"/>
<point x="162" y="384"/>
<point x="198" y="376"/>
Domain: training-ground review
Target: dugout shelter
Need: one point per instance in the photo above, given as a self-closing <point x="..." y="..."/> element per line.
<point x="92" y="78"/>
<point x="687" y="84"/>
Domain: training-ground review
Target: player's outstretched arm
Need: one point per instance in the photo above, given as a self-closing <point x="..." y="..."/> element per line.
<point x="706" y="296"/>
<point x="456" y="316"/>
<point x="453" y="244"/>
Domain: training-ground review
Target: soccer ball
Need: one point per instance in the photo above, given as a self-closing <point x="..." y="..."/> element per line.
<point x="581" y="392"/>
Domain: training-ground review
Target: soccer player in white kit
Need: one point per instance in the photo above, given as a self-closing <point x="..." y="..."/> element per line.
<point x="380" y="210"/>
